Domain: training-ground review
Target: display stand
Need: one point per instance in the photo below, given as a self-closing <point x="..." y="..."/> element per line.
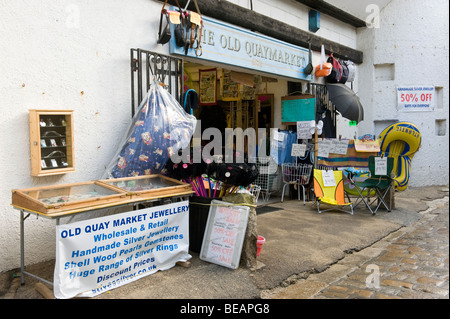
<point x="69" y="200"/>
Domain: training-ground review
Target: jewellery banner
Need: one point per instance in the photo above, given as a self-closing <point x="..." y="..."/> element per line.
<point x="100" y="254"/>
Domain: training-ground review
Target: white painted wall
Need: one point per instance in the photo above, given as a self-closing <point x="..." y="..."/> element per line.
<point x="410" y="47"/>
<point x="50" y="52"/>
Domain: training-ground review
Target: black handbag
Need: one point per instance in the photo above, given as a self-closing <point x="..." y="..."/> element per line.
<point x="180" y="32"/>
<point x="164" y="35"/>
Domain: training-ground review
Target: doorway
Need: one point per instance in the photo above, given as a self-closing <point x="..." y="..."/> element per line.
<point x="265" y="119"/>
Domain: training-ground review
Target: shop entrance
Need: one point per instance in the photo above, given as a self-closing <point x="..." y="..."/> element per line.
<point x="230" y="99"/>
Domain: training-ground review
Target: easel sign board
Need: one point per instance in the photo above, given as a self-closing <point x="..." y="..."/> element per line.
<point x="224" y="234"/>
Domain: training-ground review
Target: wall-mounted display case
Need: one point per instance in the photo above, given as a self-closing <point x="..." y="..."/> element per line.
<point x="51" y="142"/>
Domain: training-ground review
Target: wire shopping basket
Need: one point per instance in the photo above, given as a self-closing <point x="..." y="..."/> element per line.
<point x="268" y="172"/>
<point x="296" y="174"/>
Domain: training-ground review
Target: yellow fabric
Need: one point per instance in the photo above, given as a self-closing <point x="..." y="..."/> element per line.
<point x="331" y="195"/>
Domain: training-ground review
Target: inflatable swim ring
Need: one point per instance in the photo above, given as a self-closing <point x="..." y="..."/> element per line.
<point x="400" y="141"/>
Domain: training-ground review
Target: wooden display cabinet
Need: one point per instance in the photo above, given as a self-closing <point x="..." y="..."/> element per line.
<point x="57" y="200"/>
<point x="51" y="200"/>
<point x="149" y="186"/>
<point x="51" y="142"/>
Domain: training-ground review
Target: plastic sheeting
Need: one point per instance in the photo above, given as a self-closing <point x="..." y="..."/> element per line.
<point x="280" y="148"/>
<point x="159" y="129"/>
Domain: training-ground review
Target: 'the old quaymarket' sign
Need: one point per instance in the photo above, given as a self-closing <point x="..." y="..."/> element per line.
<point x="228" y="44"/>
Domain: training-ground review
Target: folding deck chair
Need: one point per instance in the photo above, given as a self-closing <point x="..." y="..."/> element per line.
<point x="330" y="193"/>
<point x="380" y="182"/>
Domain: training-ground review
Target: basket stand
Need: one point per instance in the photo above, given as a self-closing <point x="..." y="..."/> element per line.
<point x="296" y="174"/>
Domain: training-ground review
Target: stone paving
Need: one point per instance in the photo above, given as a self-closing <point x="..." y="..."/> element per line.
<point x="412" y="263"/>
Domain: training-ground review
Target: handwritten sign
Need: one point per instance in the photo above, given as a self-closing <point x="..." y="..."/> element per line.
<point x="380" y="165"/>
<point x="303" y="130"/>
<point x="367" y="145"/>
<point x="324" y="147"/>
<point x="339" y="146"/>
<point x="298" y="150"/>
<point x="278" y="136"/>
<point x="328" y="178"/>
<point x="224" y="234"/>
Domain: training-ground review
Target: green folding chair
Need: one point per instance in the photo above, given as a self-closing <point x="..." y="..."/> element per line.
<point x="379" y="183"/>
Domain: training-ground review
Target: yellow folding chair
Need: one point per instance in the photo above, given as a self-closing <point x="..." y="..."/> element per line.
<point x="330" y="192"/>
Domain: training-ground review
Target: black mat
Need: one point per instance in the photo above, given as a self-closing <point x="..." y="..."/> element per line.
<point x="266" y="209"/>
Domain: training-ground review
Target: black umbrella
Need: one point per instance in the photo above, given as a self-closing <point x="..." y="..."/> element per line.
<point x="346" y="101"/>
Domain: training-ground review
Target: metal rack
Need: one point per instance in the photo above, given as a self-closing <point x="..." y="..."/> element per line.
<point x="146" y="65"/>
<point x="296" y="174"/>
<point x="255" y="190"/>
<point x="267" y="178"/>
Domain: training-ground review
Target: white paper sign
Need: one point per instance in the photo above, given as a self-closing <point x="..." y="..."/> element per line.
<point x="298" y="150"/>
<point x="324" y="148"/>
<point x="224" y="234"/>
<point x="303" y="130"/>
<point x="380" y="165"/>
<point x="416" y="98"/>
<point x="339" y="146"/>
<point x="328" y="178"/>
<point x="277" y="136"/>
<point x="99" y="254"/>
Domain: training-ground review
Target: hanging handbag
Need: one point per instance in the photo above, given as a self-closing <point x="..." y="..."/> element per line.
<point x="164" y="35"/>
<point x="324" y="68"/>
<point x="180" y="32"/>
<point x="351" y="70"/>
<point x="335" y="75"/>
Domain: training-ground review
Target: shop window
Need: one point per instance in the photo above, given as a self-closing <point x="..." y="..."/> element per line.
<point x="441" y="127"/>
<point x="384" y="72"/>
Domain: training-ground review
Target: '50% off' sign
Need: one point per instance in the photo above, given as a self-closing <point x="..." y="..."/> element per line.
<point x="416" y="98"/>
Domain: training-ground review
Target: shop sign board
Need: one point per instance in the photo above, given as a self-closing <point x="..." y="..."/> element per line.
<point x="416" y="98"/>
<point x="100" y="254"/>
<point x="235" y="46"/>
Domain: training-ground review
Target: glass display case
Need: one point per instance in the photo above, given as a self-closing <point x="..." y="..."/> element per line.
<point x="52" y="199"/>
<point x="51" y="142"/>
<point x="150" y="186"/>
<point x="75" y="197"/>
